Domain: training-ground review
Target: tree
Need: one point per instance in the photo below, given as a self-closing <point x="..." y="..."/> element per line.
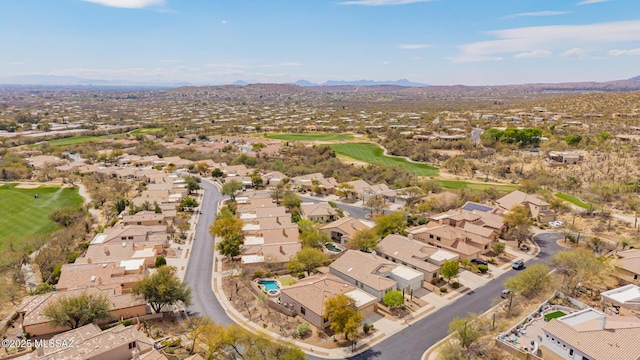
<point x="375" y="204"/>
<point x="343" y="315"/>
<point x="393" y="299"/>
<point x="76" y="311"/>
<point x="163" y="288"/>
<point x="580" y="267"/>
<point x="498" y="248"/>
<point x="468" y="331"/>
<point x="307" y="259"/>
<point x="411" y="195"/>
<point x="573" y="139"/>
<point x="227" y="227"/>
<point x="258" y="146"/>
<point x="181" y="222"/>
<point x="363" y="240"/>
<point x="193" y="183"/>
<point x="189" y="202"/>
<point x="450" y="269"/>
<point x="234" y="342"/>
<point x="160" y="261"/>
<point x="278" y="192"/>
<point x="529" y="282"/>
<point x="517" y="220"/>
<point x="393" y="223"/>
<point x="310" y="235"/>
<point x="345" y="190"/>
<point x="256" y="179"/>
<point x="230" y="246"/>
<point x="291" y="200"/>
<point x="231" y="188"/>
<point x="217" y="173"/>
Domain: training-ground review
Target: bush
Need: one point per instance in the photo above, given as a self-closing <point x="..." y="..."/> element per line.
<point x="443" y="289"/>
<point x="301" y="275"/>
<point x="169" y="350"/>
<point x="42" y="289"/>
<point x="483" y="268"/>
<point x="258" y="273"/>
<point x="56" y="270"/>
<point x="434" y="281"/>
<point x="492" y="261"/>
<point x="161" y="261"/>
<point x="366" y="328"/>
<point x="455" y="285"/>
<point x="332" y="204"/>
<point x="303" y="329"/>
<point x="27" y="335"/>
<point x="268" y="273"/>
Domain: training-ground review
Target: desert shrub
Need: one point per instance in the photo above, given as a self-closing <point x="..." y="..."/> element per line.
<point x="303" y="329"/>
<point x="483" y="268"/>
<point x="455" y="285"/>
<point x="366" y="328"/>
<point x="443" y="289"/>
<point x="258" y="273"/>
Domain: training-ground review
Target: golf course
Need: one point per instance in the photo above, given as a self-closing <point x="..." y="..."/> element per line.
<point x="24" y="214"/>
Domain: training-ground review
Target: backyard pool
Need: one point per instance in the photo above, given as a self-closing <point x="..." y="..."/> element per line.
<point x="269" y="285"/>
<point x="332" y="248"/>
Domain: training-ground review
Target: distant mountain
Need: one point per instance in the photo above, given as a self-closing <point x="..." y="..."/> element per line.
<point x="72" y="80"/>
<point x="401" y="82"/>
<point x="304" y="83"/>
<point x="240" y="82"/>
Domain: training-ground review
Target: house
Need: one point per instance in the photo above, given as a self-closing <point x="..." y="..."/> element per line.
<point x="538" y="209"/>
<point x="309" y="295"/>
<point x="147" y="218"/>
<point x="309" y="182"/>
<point x="343" y="229"/>
<point x="318" y="212"/>
<point x="414" y="254"/>
<point x="120" y="276"/>
<point x="273" y="178"/>
<point x="33" y="321"/>
<point x="374" y="274"/>
<point x="627" y="297"/>
<point x="627" y="266"/>
<point x="116" y="252"/>
<point x="468" y="241"/>
<point x="590" y="334"/>
<point x="566" y="157"/>
<point x="132" y="233"/>
<point x="91" y="343"/>
<point x="472" y="213"/>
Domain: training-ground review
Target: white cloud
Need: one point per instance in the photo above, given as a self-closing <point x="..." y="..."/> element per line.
<point x="224" y="22"/>
<point x="588" y="2"/>
<point x="386" y="62"/>
<point x="17" y="63"/>
<point x="413" y="46"/>
<point x="558" y="37"/>
<point x="533" y="54"/>
<point x="226" y="65"/>
<point x="618" y="52"/>
<point x="128" y="4"/>
<point x="575" y="53"/>
<point x="380" y="2"/>
<point x="539" y="13"/>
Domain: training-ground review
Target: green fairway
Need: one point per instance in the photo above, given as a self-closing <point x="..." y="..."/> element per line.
<point x="73" y="140"/>
<point x="574" y="200"/>
<point x="146" y="131"/>
<point x="24" y="216"/>
<point x="373" y="154"/>
<point x="310" y="137"/>
<point x="458" y="184"/>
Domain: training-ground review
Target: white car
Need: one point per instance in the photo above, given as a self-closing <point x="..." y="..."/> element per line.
<point x="555" y="224"/>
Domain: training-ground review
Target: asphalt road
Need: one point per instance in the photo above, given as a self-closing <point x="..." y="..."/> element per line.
<point x="413" y="341"/>
<point x="409" y="343"/>
<point x="200" y="266"/>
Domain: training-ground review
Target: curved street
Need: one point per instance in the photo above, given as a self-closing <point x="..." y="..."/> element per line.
<point x="409" y="343"/>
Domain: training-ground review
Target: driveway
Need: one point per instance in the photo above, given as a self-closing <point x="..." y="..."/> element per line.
<point x="200" y="267"/>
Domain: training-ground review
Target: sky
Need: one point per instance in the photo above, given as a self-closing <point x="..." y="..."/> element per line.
<point x="439" y="42"/>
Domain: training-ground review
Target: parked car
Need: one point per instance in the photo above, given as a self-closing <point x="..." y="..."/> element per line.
<point x="505" y="293"/>
<point x="479" y="261"/>
<point x="518" y="264"/>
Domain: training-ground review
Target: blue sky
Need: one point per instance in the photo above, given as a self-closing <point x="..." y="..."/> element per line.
<point x="472" y="42"/>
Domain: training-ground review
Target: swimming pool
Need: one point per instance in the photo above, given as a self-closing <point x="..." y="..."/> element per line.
<point x="332" y="248"/>
<point x="269" y="284"/>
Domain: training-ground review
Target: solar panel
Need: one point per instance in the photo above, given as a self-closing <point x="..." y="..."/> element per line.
<point x="475" y="206"/>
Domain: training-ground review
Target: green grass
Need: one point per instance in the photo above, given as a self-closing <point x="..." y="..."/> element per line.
<point x="146" y="131"/>
<point x="24" y="216"/>
<point x="287" y="280"/>
<point x="457" y="184"/>
<point x="574" y="200"/>
<point x="554" y="315"/>
<point x="73" y="140"/>
<point x="310" y="137"/>
<point x="373" y="154"/>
